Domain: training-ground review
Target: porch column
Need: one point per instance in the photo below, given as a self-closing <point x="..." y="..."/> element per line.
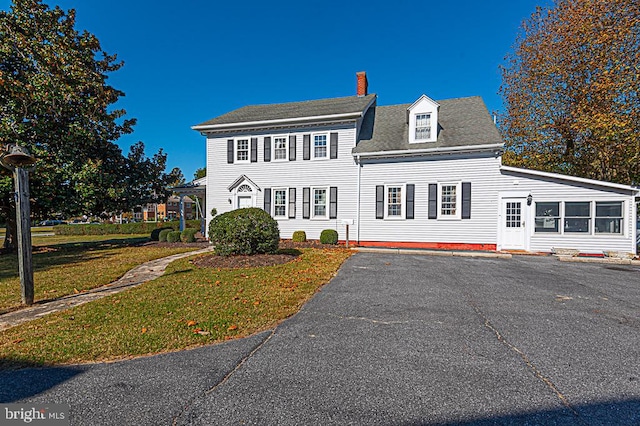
<point x="181" y="212"/>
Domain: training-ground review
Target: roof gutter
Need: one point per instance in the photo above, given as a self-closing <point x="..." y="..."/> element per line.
<point x="261" y="123"/>
<point x="430" y="151"/>
<point x="571" y="178"/>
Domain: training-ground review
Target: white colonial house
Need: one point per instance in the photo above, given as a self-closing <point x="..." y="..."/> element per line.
<point x="423" y="175"/>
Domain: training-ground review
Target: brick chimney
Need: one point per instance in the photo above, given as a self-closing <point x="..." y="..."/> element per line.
<point x="362" y="87"/>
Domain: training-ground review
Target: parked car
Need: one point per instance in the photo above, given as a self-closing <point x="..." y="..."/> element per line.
<point x="52" y="222"/>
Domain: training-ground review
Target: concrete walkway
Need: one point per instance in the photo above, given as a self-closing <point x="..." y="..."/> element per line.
<point x="140" y="274"/>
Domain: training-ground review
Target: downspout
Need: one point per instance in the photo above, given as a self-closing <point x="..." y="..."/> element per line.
<point x="358" y="200"/>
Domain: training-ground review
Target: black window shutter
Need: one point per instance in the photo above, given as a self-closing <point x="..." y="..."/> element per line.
<point x="379" y="201"/>
<point x="306" y="203"/>
<point x="411" y="189"/>
<point x="433" y="201"/>
<point x="466" y="200"/>
<point x="254" y="150"/>
<point x="333" y="146"/>
<point x="267" y="148"/>
<point x="292" y="203"/>
<point x="306" y="147"/>
<point x="292" y="147"/>
<point x="267" y="200"/>
<point x="333" y="202"/>
<point x="230" y="151"/>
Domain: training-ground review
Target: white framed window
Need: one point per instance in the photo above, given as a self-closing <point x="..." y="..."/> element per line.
<point x="450" y="197"/>
<point x="394" y="201"/>
<point x="242" y="150"/>
<point x="547" y="216"/>
<point x="577" y="217"/>
<point x="423" y="127"/>
<point x="280" y="148"/>
<point x="608" y="217"/>
<point x="280" y="196"/>
<point x="320" y="146"/>
<point x="319" y="208"/>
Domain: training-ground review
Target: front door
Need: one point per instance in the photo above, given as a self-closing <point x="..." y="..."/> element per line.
<point x="244" y="201"/>
<point x="513" y="224"/>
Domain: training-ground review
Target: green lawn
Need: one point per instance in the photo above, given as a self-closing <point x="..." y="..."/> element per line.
<point x="188" y="306"/>
<point x="68" y="264"/>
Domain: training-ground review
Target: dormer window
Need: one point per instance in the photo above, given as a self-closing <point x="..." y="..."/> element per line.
<point x="422" y="120"/>
<point x="423" y="127"/>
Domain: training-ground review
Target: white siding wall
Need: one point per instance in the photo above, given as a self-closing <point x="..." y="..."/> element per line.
<point x="544" y="189"/>
<point x="487" y="182"/>
<point x="481" y="171"/>
<point x="340" y="172"/>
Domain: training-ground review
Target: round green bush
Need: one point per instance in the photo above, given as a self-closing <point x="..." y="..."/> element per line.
<point x="329" y="236"/>
<point x="299" y="237"/>
<point x="155" y="234"/>
<point x="162" y="235"/>
<point x="244" y="231"/>
<point x="173" y="236"/>
<point x="188" y="235"/>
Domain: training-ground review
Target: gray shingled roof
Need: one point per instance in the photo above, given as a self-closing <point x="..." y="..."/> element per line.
<point x="350" y="104"/>
<point x="461" y="122"/>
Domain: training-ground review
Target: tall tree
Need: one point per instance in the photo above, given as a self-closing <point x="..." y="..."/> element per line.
<point x="200" y="173"/>
<point x="55" y="100"/>
<point x="571" y="91"/>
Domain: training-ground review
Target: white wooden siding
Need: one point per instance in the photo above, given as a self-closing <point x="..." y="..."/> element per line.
<point x="481" y="171"/>
<point x="487" y="182"/>
<point x="544" y="189"/>
<point x="340" y="172"/>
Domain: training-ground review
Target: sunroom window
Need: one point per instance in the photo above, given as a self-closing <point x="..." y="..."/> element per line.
<point x="577" y="217"/>
<point x="547" y="217"/>
<point x="609" y="217"/>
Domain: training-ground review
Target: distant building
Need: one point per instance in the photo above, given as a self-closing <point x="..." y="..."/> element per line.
<point x="169" y="210"/>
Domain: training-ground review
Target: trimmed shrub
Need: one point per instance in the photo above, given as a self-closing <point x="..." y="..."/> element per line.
<point x="244" y="231"/>
<point x="299" y="237"/>
<point x="173" y="236"/>
<point x="155" y="234"/>
<point x="188" y="235"/>
<point x="121" y="228"/>
<point x="329" y="236"/>
<point x="162" y="235"/>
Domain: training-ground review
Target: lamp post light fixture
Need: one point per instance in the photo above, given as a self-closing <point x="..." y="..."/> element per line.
<point x="18" y="160"/>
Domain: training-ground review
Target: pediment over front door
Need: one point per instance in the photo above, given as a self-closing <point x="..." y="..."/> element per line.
<point x="243" y="180"/>
<point x="243" y="193"/>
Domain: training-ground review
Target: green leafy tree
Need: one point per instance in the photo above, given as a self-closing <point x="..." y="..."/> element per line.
<point x="55" y="100"/>
<point x="571" y="91"/>
<point x="200" y="173"/>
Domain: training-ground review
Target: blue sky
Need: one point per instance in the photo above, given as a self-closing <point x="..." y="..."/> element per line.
<point x="189" y="61"/>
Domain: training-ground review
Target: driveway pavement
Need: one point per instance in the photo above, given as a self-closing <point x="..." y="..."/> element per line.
<point x="394" y="340"/>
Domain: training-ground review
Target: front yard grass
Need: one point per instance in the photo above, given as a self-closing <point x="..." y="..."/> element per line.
<point x="66" y="265"/>
<point x="187" y="307"/>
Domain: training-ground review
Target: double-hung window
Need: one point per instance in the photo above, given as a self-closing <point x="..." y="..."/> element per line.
<point x="280" y="148"/>
<point x="242" y="150"/>
<point x="280" y="203"/>
<point x="394" y="201"/>
<point x="547" y="217"/>
<point x="577" y="217"/>
<point x="450" y="197"/>
<point x="320" y="146"/>
<point x="320" y="203"/>
<point x="609" y="217"/>
<point x="423" y="127"/>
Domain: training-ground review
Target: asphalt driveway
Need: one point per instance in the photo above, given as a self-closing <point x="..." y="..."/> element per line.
<point x="394" y="339"/>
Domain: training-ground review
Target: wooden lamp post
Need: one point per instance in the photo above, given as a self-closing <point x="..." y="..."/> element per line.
<point x="18" y="160"/>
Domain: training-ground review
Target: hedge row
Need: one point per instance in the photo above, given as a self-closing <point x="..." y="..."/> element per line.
<point x="117" y="228"/>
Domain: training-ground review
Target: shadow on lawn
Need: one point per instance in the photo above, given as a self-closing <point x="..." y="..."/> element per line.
<point x="48" y="256"/>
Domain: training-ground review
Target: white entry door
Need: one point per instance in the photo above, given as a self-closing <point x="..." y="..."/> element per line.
<point x="513" y="223"/>
<point x="244" y="201"/>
